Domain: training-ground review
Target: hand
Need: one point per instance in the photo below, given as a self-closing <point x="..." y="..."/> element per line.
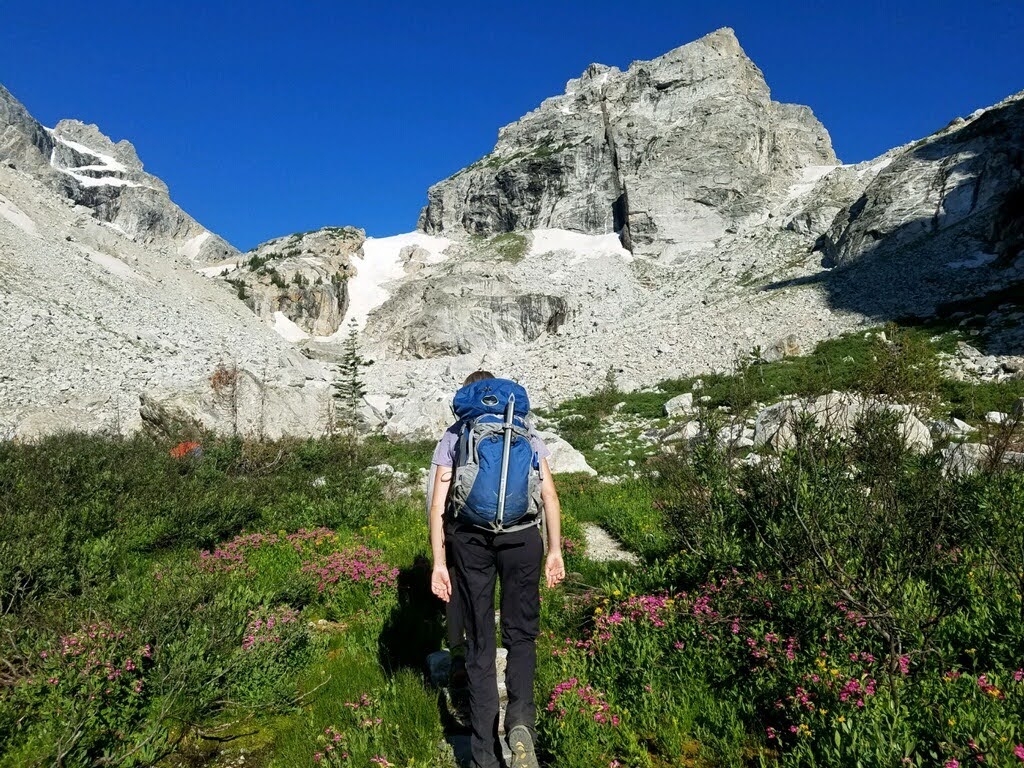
<point x="554" y="568"/>
<point x="440" y="583"/>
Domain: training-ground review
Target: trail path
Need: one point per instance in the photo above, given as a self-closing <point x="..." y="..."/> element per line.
<point x="601" y="547"/>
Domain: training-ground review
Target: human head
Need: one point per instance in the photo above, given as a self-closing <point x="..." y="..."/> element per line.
<point x="476" y="376"/>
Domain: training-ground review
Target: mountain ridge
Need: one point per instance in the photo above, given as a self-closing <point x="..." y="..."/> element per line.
<point x="646" y="224"/>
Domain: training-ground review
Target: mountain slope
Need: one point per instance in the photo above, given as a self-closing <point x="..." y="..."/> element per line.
<point x="100" y="304"/>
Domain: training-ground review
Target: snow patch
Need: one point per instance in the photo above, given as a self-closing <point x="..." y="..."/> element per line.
<point x="190" y="249"/>
<point x="112" y="264"/>
<point x="977" y="260"/>
<point x="287" y="329"/>
<point x="378" y="264"/>
<point x="874" y="168"/>
<point x="582" y="247"/>
<point x="17" y="217"/>
<point x="103" y="181"/>
<point x="809" y="177"/>
<point x="106" y="164"/>
<point x="218" y="269"/>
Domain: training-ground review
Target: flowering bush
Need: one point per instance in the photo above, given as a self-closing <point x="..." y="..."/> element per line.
<point x="353" y="565"/>
<point x="361" y="741"/>
<point x="237" y="555"/>
<point x="276" y="645"/>
<point x="93" y="688"/>
<point x="350" y="579"/>
<point x="583" y="728"/>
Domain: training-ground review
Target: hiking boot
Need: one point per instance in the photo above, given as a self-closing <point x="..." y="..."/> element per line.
<point x="520" y="741"/>
<point x="458" y="706"/>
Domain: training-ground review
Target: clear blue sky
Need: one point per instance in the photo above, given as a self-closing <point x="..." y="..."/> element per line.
<point x="266" y="118"/>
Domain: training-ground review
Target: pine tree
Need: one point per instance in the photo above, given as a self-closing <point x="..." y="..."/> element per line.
<point x="349" y="388"/>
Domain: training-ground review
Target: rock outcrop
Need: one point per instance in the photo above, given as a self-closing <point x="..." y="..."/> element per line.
<point x="672" y="154"/>
<point x="941" y="215"/>
<point x="837" y="413"/>
<point x="297" y="283"/>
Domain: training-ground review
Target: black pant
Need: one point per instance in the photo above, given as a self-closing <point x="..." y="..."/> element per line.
<point x="515" y="558"/>
<point x="454" y="614"/>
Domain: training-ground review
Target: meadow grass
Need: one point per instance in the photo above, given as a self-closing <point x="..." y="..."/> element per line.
<point x="846" y="603"/>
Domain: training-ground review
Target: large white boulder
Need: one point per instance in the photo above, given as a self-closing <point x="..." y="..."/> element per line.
<point x="837" y="413"/>
<point x="564" y="458"/>
<point x="420" y="414"/>
<point x="243" y="404"/>
<point x="679" y="404"/>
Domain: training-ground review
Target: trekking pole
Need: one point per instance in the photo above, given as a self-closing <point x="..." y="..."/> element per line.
<point x="509" y="410"/>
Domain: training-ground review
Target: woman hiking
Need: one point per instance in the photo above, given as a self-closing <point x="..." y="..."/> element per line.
<point x="493" y="495"/>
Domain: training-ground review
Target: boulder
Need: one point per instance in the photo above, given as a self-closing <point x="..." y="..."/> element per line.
<point x="774" y="424"/>
<point x="420" y="415"/>
<point x="964" y="458"/>
<point x="787" y="346"/>
<point x="684" y="432"/>
<point x="246" y="406"/>
<point x="837" y="413"/>
<point x="679" y="404"/>
<point x="735" y="436"/>
<point x="564" y="458"/>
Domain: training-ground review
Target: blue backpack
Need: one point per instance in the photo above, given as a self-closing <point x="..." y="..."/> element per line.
<point x="496" y="484"/>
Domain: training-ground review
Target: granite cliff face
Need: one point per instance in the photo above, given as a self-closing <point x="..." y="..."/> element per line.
<point x="672" y="154"/>
<point x="942" y="216"/>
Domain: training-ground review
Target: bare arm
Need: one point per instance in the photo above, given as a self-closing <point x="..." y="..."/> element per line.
<point x="555" y="566"/>
<point x="440" y="584"/>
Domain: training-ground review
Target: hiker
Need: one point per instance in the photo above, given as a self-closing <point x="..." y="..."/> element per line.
<point x="493" y="494"/>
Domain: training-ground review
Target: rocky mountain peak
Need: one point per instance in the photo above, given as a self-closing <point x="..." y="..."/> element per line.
<point x="672" y="154"/>
<point x="84" y="166"/>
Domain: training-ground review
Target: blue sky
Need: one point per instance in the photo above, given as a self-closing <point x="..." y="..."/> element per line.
<point x="266" y="118"/>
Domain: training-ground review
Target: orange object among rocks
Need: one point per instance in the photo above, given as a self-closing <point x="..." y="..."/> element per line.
<point x="184" y="450"/>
